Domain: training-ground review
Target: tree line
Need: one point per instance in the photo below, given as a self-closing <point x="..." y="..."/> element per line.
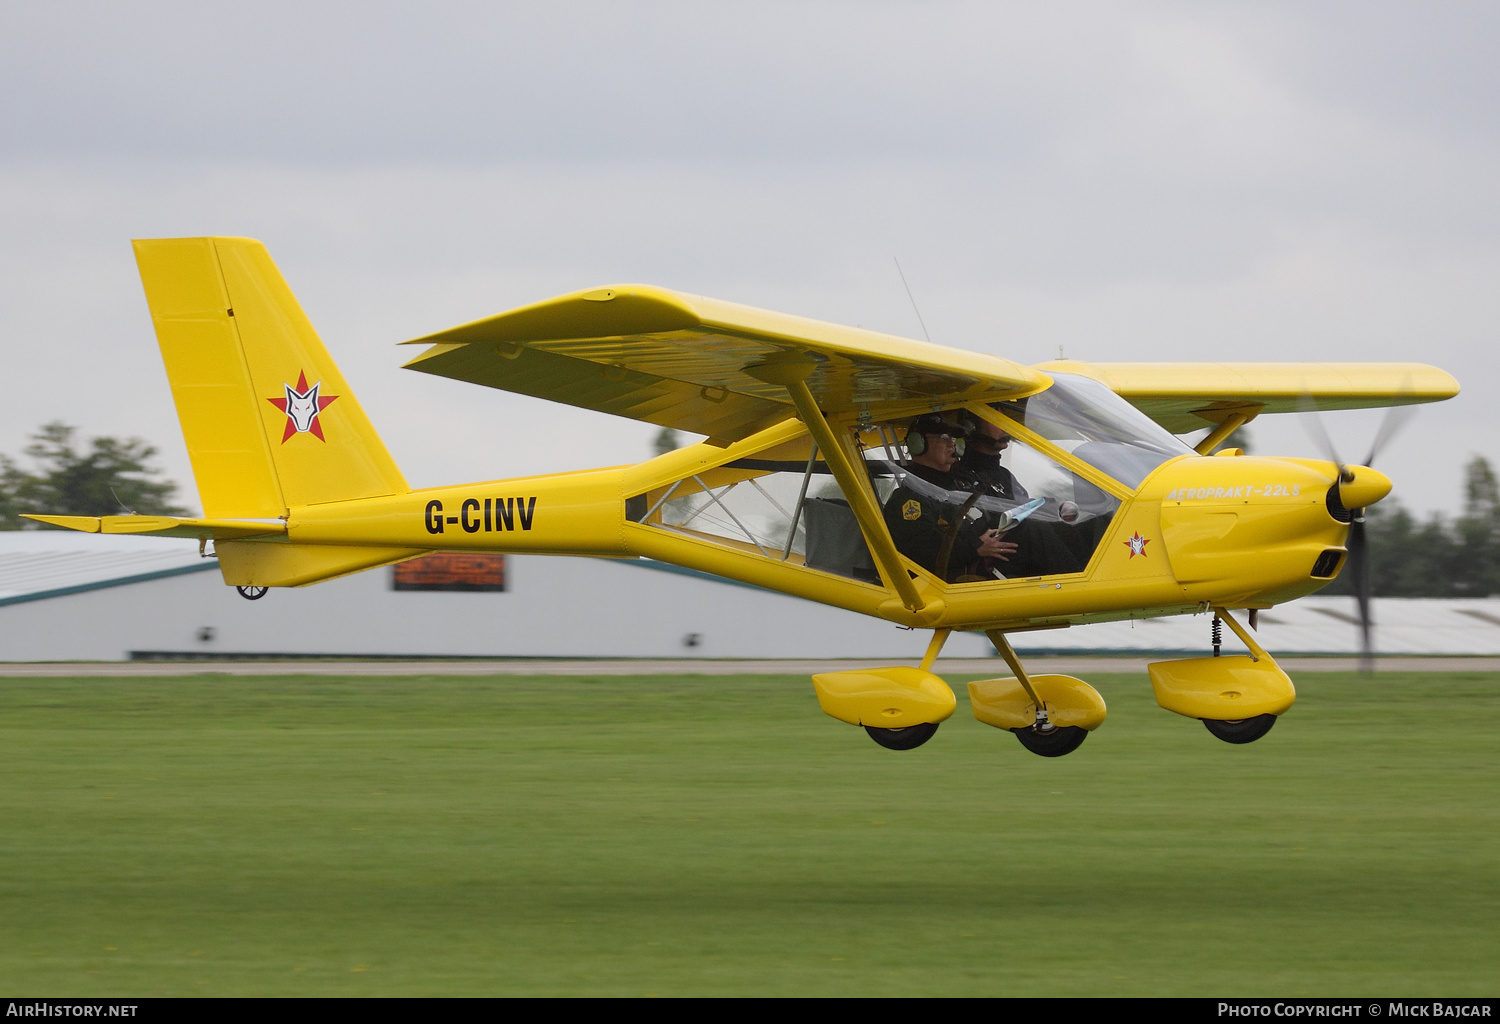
<point x="1409" y="557"/>
<point x="105" y="477"/>
<point x="1438" y="556"/>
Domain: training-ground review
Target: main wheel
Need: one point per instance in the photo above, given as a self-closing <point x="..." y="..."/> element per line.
<point x="1053" y="743"/>
<point x="1245" y="730"/>
<point x="910" y="738"/>
<point x="252" y="593"/>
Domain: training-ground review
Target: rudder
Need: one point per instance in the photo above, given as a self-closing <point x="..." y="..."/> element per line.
<point x="269" y="421"/>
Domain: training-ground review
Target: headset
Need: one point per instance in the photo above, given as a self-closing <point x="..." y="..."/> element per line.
<point x="932" y="423"/>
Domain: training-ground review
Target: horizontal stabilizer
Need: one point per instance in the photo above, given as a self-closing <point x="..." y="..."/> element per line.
<point x="168" y="526"/>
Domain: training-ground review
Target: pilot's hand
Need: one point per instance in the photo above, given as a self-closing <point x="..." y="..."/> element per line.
<point x="992" y="546"/>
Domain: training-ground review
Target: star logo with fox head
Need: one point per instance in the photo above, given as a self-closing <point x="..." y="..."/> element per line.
<point x="302" y="405"/>
<point x="1137" y="544"/>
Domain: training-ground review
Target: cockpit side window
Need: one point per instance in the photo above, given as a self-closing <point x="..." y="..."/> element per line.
<point x="781" y="503"/>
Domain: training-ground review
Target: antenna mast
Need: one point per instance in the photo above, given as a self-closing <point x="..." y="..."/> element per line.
<point x="909" y="295"/>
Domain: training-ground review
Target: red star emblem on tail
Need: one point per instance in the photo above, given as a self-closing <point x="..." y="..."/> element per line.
<point x="302" y="405"/>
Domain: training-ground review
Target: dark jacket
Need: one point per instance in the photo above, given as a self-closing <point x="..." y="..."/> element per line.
<point x="986" y="470"/>
<point x="1044" y="548"/>
<point x="919" y="525"/>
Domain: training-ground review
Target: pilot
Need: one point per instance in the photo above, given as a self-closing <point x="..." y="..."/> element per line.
<point x="921" y="526"/>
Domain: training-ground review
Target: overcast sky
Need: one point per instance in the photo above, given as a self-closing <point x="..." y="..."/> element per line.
<point x="1114" y="181"/>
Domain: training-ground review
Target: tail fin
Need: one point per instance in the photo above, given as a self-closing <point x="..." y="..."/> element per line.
<point x="270" y="422"/>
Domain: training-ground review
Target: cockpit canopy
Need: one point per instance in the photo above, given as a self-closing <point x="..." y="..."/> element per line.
<point x="1088" y="420"/>
<point x="781" y="501"/>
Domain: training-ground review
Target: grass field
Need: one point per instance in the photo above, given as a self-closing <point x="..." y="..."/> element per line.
<point x="718" y="835"/>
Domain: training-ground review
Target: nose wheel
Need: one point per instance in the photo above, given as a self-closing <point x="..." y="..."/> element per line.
<point x="252" y="593"/>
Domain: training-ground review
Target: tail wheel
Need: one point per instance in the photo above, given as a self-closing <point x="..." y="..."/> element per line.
<point x="1245" y="730"/>
<point x="252" y="593"/>
<point x="1054" y="742"/>
<point x="910" y="738"/>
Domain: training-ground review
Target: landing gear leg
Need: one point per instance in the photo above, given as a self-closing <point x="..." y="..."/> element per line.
<point x="939" y="638"/>
<point x="1042" y="737"/>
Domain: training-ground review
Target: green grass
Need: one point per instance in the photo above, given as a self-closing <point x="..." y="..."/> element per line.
<point x="700" y="835"/>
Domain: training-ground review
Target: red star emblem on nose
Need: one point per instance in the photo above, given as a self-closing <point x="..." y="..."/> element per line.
<point x="302" y="403"/>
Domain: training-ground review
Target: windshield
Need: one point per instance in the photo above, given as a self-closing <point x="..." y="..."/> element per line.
<point x="1088" y="420"/>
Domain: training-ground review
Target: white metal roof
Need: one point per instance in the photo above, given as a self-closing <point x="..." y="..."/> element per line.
<point x="39" y="564"/>
<point x="1312" y="625"/>
<point x="34" y="563"/>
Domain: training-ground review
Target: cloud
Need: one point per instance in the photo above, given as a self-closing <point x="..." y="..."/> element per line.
<point x="1152" y="181"/>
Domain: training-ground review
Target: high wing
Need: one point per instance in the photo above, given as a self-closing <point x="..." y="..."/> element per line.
<point x="680" y="361"/>
<point x="1190" y="396"/>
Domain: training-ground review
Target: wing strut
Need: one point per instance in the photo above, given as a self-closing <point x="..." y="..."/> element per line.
<point x="1231" y="423"/>
<point x="837" y="449"/>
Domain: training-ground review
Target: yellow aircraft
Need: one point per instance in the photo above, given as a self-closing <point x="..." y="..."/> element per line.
<point x="828" y="473"/>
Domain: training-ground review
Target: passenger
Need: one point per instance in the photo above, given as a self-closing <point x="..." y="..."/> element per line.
<point x="1046" y="548"/>
<point x="923" y="527"/>
<point x="981" y="460"/>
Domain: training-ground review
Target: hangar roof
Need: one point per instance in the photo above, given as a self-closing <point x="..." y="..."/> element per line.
<point x="1311" y="625"/>
<point x="40" y="564"/>
<point x="35" y="564"/>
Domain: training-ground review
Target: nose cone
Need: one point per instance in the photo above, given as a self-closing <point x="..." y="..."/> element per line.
<point x="1366" y="488"/>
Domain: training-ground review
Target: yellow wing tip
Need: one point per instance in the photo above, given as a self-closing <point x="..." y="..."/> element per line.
<point x="84" y="524"/>
<point x="663" y="299"/>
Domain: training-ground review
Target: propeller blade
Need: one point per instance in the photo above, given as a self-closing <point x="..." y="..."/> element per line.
<point x="1396" y="418"/>
<point x="1359" y="568"/>
<point x="1319" y="434"/>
